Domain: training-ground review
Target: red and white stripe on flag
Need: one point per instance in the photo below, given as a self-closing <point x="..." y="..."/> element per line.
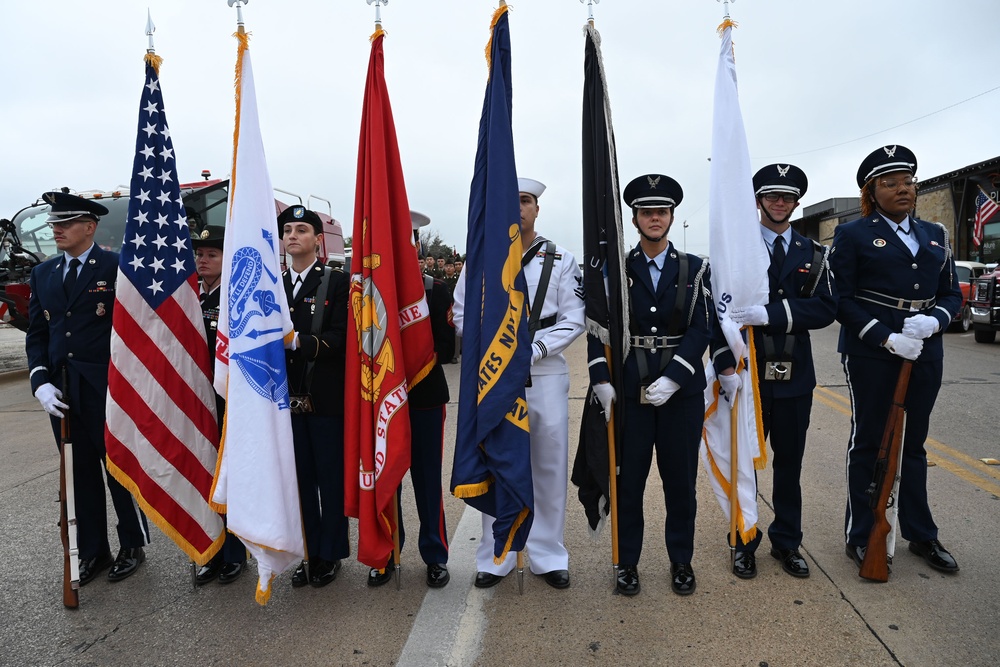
<point x="985" y="209"/>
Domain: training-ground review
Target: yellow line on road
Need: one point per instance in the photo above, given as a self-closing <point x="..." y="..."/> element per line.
<point x="972" y="469"/>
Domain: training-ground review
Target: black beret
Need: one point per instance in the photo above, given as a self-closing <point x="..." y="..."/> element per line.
<point x="66" y="207"/>
<point x="213" y="236"/>
<point x="886" y="160"/>
<point x="780" y="178"/>
<point x="653" y="191"/>
<point x="299" y="213"/>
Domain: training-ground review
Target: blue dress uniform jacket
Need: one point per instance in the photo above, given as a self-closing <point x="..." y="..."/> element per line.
<point x="674" y="428"/>
<point x="650" y="316"/>
<point x="869" y="255"/>
<point x="74" y="332"/>
<point x="871" y="266"/>
<point x="789" y="312"/>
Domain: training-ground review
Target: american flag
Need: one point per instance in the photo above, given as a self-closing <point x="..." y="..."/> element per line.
<point x="162" y="433"/>
<point x="985" y="208"/>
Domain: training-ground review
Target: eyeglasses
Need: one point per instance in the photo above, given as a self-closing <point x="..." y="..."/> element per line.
<point x="774" y="196"/>
<point x="894" y="183"/>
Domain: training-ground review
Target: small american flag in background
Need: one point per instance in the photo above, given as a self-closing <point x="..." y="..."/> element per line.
<point x="162" y="432"/>
<point x="985" y="208"/>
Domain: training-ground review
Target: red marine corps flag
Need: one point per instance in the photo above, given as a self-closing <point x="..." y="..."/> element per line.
<point x="393" y="348"/>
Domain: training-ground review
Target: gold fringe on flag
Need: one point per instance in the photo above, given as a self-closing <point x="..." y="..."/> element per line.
<point x="759" y="461"/>
<point x="498" y="560"/>
<point x="244" y="44"/>
<point x="154" y="61"/>
<point x="501" y="10"/>
<point x="728" y="23"/>
<point x="472" y="490"/>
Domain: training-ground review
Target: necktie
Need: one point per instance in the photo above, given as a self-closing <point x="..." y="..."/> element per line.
<point x="296" y="286"/>
<point x="778" y="256"/>
<point x="69" y="282"/>
<point x="654" y="273"/>
<point x="904" y="232"/>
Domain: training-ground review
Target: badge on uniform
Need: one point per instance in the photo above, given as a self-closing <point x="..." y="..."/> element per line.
<point x="879" y="243"/>
<point x="47" y="316"/>
<point x="91" y="261"/>
<point x="100" y="310"/>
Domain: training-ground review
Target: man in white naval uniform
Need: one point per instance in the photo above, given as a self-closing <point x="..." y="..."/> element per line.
<point x="555" y="297"/>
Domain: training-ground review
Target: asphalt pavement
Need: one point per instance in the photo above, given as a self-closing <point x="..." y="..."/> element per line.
<point x="920" y="617"/>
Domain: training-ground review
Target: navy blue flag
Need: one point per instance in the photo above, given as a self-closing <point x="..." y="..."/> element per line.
<point x="492" y="469"/>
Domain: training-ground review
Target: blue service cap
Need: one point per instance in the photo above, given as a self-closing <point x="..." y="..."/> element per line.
<point x="653" y="191"/>
<point x="886" y="160"/>
<point x="780" y="178"/>
<point x="66" y="207"/>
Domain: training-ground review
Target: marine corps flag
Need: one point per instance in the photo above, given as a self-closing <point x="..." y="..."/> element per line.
<point x="255" y="482"/>
<point x="739" y="277"/>
<point x="492" y="468"/>
<point x="393" y="348"/>
<point x="606" y="300"/>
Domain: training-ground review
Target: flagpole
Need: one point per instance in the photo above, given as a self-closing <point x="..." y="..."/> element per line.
<point x="590" y="20"/>
<point x="378" y="12"/>
<point x="395" y="539"/>
<point x="239" y="14"/>
<point x="612" y="480"/>
<point x="733" y="472"/>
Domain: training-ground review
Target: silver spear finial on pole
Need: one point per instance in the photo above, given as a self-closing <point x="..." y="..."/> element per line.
<point x="590" y="10"/>
<point x="150" y="29"/>
<point x="239" y="13"/>
<point x="725" y="4"/>
<point x="378" y="11"/>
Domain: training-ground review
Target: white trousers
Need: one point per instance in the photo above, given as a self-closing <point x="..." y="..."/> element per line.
<point x="548" y="418"/>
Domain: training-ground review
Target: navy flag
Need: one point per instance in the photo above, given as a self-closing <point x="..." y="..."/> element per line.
<point x="492" y="469"/>
<point x="604" y="282"/>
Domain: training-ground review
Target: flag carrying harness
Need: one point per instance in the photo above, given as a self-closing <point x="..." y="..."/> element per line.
<point x="535" y="320"/>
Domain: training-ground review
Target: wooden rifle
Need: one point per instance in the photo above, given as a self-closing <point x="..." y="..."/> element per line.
<point x="875" y="565"/>
<point x="67" y="513"/>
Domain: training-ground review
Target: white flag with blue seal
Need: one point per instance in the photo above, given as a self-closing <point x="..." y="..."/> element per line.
<point x="255" y="483"/>
<point x="739" y="278"/>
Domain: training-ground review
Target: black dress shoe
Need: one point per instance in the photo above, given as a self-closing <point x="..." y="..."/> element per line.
<point x="557" y="578"/>
<point x="682" y="578"/>
<point x="745" y="565"/>
<point x="437" y="575"/>
<point x="628" y="580"/>
<point x="126" y="564"/>
<point x="322" y="572"/>
<point x="208" y="572"/>
<point x="91" y="567"/>
<point x="792" y="562"/>
<point x="857" y="554"/>
<point x="934" y="553"/>
<point x="377" y="578"/>
<point x="300" y="578"/>
<point x="230" y="572"/>
<point x="487" y="579"/>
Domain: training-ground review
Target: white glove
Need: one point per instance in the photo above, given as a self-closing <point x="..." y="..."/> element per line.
<point x="904" y="346"/>
<point x="660" y="391"/>
<point x="605" y="393"/>
<point x="536" y="353"/>
<point x="730" y="384"/>
<point x="752" y="315"/>
<point x="49" y="397"/>
<point x="920" y="326"/>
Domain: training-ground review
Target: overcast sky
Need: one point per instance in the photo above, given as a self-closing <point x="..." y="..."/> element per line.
<point x="814" y="79"/>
